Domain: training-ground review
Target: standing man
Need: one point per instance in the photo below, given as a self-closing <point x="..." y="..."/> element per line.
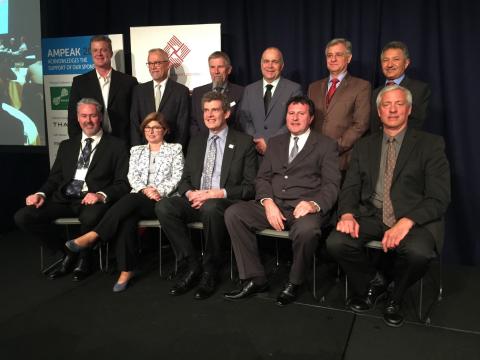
<point x="111" y="88"/>
<point x="220" y="68"/>
<point x="219" y="170"/>
<point x="262" y="111"/>
<point x="296" y="186"/>
<point x="397" y="190"/>
<point x="164" y="95"/>
<point x="395" y="60"/>
<point x="89" y="174"/>
<point x="342" y="101"/>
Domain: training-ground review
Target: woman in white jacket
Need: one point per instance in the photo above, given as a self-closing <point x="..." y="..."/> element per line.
<point x="154" y="172"/>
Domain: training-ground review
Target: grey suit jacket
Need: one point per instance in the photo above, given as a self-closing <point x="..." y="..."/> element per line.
<point x="347" y="117"/>
<point x="312" y="176"/>
<point x="252" y="115"/>
<point x="421" y="180"/>
<point x="421" y="97"/>
<point x="239" y="165"/>
<point x="234" y="94"/>
<point x="175" y="105"/>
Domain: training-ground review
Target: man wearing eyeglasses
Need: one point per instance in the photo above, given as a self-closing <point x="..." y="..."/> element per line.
<point x="342" y="101"/>
<point x="164" y="95"/>
<point x="111" y="88"/>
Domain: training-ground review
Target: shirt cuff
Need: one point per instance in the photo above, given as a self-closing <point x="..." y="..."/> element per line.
<point x="262" y="200"/>
<point x="104" y="195"/>
<point x="316" y="206"/>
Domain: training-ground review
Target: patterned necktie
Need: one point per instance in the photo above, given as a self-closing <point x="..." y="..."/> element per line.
<point x="331" y="91"/>
<point x="267" y="97"/>
<point x="210" y="164"/>
<point x="294" y="151"/>
<point x="158" y="96"/>
<point x="389" y="82"/>
<point x="74" y="188"/>
<point x="388" y="215"/>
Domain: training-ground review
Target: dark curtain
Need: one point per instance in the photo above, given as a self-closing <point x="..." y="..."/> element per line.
<point x="442" y="36"/>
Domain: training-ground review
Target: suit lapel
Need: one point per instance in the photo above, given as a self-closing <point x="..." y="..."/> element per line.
<point x="73" y="156"/>
<point x="228" y="152"/>
<point x="408" y="144"/>
<point x="374" y="155"/>
<point x="306" y="150"/>
<point x="96" y="88"/>
<point x="166" y="94"/>
<point x="342" y="88"/>
<point x="98" y="154"/>
<point x="276" y="95"/>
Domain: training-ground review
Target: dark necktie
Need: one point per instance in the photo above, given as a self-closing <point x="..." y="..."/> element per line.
<point x="74" y="188"/>
<point x="294" y="151"/>
<point x="388" y="215"/>
<point x="267" y="97"/>
<point x="210" y="164"/>
<point x="331" y="91"/>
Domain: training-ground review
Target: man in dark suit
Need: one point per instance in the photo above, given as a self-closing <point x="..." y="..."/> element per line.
<point x="164" y="95"/>
<point x="262" y="110"/>
<point x="111" y="88"/>
<point x="88" y="175"/>
<point x="296" y="186"/>
<point x="342" y="101"/>
<point x="220" y="168"/>
<point x="395" y="60"/>
<point x="220" y="68"/>
<point x="397" y="190"/>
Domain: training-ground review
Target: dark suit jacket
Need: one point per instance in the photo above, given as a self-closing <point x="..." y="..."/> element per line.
<point x="11" y="129"/>
<point x="239" y="165"/>
<point x="312" y="176"/>
<point x="347" y="117"/>
<point x="421" y="180"/>
<point x="420" y="96"/>
<point x="234" y="94"/>
<point x="119" y="100"/>
<point x="107" y="171"/>
<point x="252" y="111"/>
<point x="175" y="105"/>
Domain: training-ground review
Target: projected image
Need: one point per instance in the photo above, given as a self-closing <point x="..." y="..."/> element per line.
<point x="22" y="114"/>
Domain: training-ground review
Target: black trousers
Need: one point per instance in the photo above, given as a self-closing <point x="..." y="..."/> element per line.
<point x="245" y="218"/>
<point x="120" y="224"/>
<point x="39" y="222"/>
<point x="407" y="263"/>
<point x="175" y="213"/>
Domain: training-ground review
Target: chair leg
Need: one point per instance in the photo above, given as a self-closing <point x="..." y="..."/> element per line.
<point x="41" y="258"/>
<point x="346" y="289"/>
<point x="314" y="276"/>
<point x="420" y="299"/>
<point x="160" y="252"/>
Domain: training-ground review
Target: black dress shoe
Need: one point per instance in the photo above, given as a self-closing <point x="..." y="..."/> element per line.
<point x="206" y="287"/>
<point x="376" y="292"/>
<point x="82" y="270"/>
<point x="64" y="268"/>
<point x="249" y="288"/>
<point x="288" y="294"/>
<point x="186" y="282"/>
<point x="392" y="315"/>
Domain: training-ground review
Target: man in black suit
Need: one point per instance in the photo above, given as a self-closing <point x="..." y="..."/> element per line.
<point x="88" y="175"/>
<point x="220" y="68"/>
<point x="164" y="95"/>
<point x="396" y="190"/>
<point x="111" y="88"/>
<point x="219" y="170"/>
<point x="296" y="187"/>
<point x="395" y="60"/>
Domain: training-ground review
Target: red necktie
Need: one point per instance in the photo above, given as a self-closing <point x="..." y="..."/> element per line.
<point x="389" y="82"/>
<point x="331" y="91"/>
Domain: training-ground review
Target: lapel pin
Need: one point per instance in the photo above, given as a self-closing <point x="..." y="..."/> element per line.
<point x="231" y="146"/>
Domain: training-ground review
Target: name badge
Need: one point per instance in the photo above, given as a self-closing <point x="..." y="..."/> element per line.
<point x="80" y="174"/>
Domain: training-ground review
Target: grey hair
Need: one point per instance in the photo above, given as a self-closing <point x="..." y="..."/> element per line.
<point x="408" y="94"/>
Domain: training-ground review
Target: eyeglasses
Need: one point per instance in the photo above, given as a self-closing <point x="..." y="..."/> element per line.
<point x="156" y="63"/>
<point x="335" y="55"/>
<point x="153" y="128"/>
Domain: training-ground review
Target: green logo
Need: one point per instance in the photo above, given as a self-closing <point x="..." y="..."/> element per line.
<point x="59" y="97"/>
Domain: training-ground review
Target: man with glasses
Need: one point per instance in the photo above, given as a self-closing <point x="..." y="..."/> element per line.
<point x="111" y="88"/>
<point x="164" y="95"/>
<point x="342" y="101"/>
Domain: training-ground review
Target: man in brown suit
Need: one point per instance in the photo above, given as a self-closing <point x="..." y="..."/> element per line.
<point x="296" y="186"/>
<point x="342" y="101"/>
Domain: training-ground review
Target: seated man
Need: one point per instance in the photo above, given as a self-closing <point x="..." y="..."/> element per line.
<point x="296" y="186"/>
<point x="219" y="170"/>
<point x="399" y="200"/>
<point x="89" y="174"/>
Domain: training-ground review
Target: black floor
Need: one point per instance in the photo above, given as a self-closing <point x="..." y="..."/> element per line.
<point x="42" y="319"/>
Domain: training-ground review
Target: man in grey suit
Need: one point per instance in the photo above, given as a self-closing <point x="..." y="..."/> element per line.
<point x="342" y="101"/>
<point x="220" y="68"/>
<point x="164" y="95"/>
<point x="397" y="190"/>
<point x="296" y="187"/>
<point x="395" y="60"/>
<point x="262" y="111"/>
<point x="220" y="168"/>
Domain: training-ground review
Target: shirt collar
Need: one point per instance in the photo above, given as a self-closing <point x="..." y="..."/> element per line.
<point x="162" y="83"/>
<point x="301" y="137"/>
<point x="222" y="134"/>
<point x="96" y="138"/>
<point x="274" y="82"/>
<point x="108" y="77"/>
<point x="340" y="77"/>
<point x="397" y="80"/>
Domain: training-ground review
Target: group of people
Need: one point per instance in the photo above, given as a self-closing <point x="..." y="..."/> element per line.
<point x="314" y="162"/>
